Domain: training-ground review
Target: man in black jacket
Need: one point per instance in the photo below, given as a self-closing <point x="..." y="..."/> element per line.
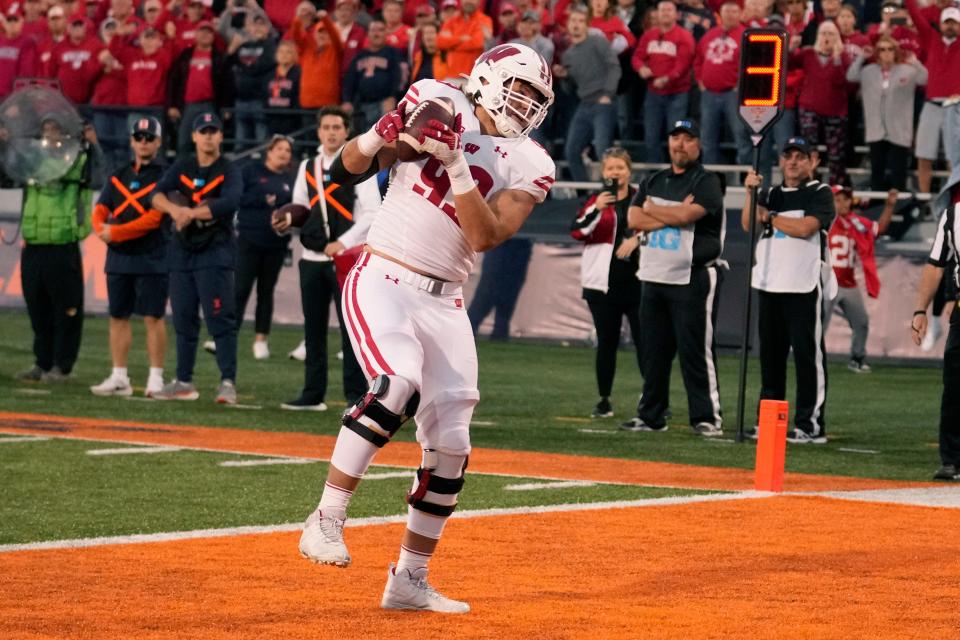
<point x="201" y="195"/>
<point x="253" y="57"/>
<point x="199" y="81"/>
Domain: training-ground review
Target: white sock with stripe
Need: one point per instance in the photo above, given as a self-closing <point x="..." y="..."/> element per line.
<point x="334" y="497"/>
<point x="412" y="560"/>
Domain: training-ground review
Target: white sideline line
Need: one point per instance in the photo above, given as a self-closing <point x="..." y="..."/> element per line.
<point x="944" y="497"/>
<point x="172" y="536"/>
<point x="33" y="392"/>
<point x="482" y="423"/>
<point x="536" y="486"/>
<point x="848" y="450"/>
<point x="597" y="430"/>
<point x="126" y="450"/>
<point x="23" y="439"/>
<point x="266" y="462"/>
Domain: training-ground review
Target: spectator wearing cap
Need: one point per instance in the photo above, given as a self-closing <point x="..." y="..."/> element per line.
<point x="938" y="120"/>
<point x="146" y="68"/>
<point x="679" y="211"/>
<point x="56" y="33"/>
<point x="664" y="58"/>
<point x="187" y="26"/>
<point x="449" y="9"/>
<point x="136" y="264"/>
<point x="283" y="90"/>
<point x="75" y="61"/>
<point x="888" y="86"/>
<point x="253" y="61"/>
<point x="201" y="192"/>
<point x="529" y="33"/>
<point x="591" y="65"/>
<point x="852" y="238"/>
<point x="398" y="33"/>
<point x="933" y="10"/>
<point x="791" y="282"/>
<point x="416" y="10"/>
<point x="199" y="81"/>
<point x="18" y="54"/>
<point x="427" y="58"/>
<point x="129" y="25"/>
<point x="506" y="26"/>
<point x="109" y="96"/>
<point x="321" y="54"/>
<point x="154" y="15"/>
<point x="695" y="17"/>
<point x="462" y="38"/>
<point x="716" y="68"/>
<point x="352" y="34"/>
<point x="603" y="16"/>
<point x="823" y="96"/>
<point x="372" y="79"/>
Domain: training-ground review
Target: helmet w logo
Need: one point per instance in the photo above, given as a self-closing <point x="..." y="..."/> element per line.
<point x="498" y="53"/>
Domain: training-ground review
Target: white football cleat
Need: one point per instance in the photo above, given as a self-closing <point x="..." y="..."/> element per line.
<point x="112" y="387"/>
<point x="260" y="350"/>
<point x="409" y="590"/>
<point x="322" y="538"/>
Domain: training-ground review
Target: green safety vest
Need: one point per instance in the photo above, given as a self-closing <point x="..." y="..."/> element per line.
<point x="50" y="211"/>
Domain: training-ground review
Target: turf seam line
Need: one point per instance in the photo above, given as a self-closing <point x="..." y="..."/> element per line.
<point x="173" y="536"/>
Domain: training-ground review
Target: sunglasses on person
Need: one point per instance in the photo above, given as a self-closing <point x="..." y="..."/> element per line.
<point x="144" y="137"/>
<point x="882" y="49"/>
<point x="151" y="9"/>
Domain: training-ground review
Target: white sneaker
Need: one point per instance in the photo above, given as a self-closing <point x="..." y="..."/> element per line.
<point x="934" y="331"/>
<point x="209" y="346"/>
<point x="410" y="590"/>
<point x="154" y="386"/>
<point x="322" y="538"/>
<point x="112" y="387"/>
<point x="260" y="350"/>
<point x="300" y="352"/>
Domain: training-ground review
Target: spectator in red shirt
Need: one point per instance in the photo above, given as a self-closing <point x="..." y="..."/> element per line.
<point x="796" y="19"/>
<point x="716" y="68"/>
<point x="109" y="93"/>
<point x="76" y="62"/>
<point x="146" y="68"/>
<point x="57" y="26"/>
<point x="191" y="86"/>
<point x="281" y="13"/>
<point x="398" y="33"/>
<point x="895" y="22"/>
<point x="351" y="34"/>
<point x="664" y="58"/>
<point x="823" y="96"/>
<point x="853" y="39"/>
<point x="603" y="16"/>
<point x="507" y="24"/>
<point x="18" y="53"/>
<point x="154" y="15"/>
<point x="34" y="24"/>
<point x="940" y="117"/>
<point x="186" y="26"/>
<point x="129" y="25"/>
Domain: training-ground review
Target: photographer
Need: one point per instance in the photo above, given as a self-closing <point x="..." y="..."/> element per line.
<point x="609" y="267"/>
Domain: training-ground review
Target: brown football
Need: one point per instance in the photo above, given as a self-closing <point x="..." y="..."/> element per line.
<point x="408" y="149"/>
<point x="294" y="214"/>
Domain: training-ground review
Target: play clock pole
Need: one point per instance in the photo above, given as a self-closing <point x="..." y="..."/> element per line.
<point x="763" y="67"/>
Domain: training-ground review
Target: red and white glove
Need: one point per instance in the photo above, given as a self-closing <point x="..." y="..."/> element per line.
<point x="386" y="130"/>
<point x="444" y="144"/>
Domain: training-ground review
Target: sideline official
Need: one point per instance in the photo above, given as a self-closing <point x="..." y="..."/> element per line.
<point x="680" y="210"/>
<point x="202" y="257"/>
<point x="943" y="252"/>
<point x="136" y="265"/>
<point x="789" y="276"/>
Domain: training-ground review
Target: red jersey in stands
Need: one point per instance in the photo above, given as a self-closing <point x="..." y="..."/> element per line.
<point x="717" y="63"/>
<point x="851" y="240"/>
<point x="399" y="39"/>
<point x="18" y="58"/>
<point x="612" y="27"/>
<point x="186" y="33"/>
<point x="905" y="37"/>
<point x="666" y="54"/>
<point x="200" y="78"/>
<point x="352" y="43"/>
<point x="35" y="29"/>
<point x="45" y="55"/>
<point x="146" y="76"/>
<point x="111" y="87"/>
<point x="281" y="12"/>
<point x="76" y="66"/>
<point x="854" y="43"/>
<point x="824" y="88"/>
<point x="942" y="59"/>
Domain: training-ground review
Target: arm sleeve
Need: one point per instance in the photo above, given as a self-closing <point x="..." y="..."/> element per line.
<point x="684" y="60"/>
<point x="823" y="208"/>
<point x="586" y="221"/>
<point x="924" y="30"/>
<point x="135" y="228"/>
<point x="99" y="216"/>
<point x="340" y="175"/>
<point x="640" y="195"/>
<point x="853" y="72"/>
<point x="610" y="61"/>
<point x="225" y="206"/>
<point x="364" y="210"/>
<point x="538" y="175"/>
<point x="709" y="194"/>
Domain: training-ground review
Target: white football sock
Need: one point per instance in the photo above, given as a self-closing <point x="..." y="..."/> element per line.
<point x="120" y="373"/>
<point x="334" y="497"/>
<point x="412" y="560"/>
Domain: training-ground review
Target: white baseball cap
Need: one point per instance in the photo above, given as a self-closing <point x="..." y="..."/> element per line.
<point x="950" y="13"/>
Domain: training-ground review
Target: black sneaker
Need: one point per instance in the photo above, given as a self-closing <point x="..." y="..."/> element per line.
<point x="302" y="404"/>
<point x="603" y="409"/>
<point x="857" y="365"/>
<point x="33" y="374"/>
<point x="947" y="472"/>
<point x="799" y="436"/>
<point x="636" y="424"/>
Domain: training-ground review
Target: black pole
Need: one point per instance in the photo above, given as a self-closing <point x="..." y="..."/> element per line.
<point x="745" y="339"/>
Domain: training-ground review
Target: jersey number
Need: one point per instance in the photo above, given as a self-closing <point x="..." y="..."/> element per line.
<point x="436" y="185"/>
<point x="840" y="251"/>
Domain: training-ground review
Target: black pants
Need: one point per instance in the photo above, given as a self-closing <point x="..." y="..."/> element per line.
<point x="794" y="320"/>
<point x="680" y="319"/>
<point x="608" y="315"/>
<point x="263" y="265"/>
<point x="888" y="166"/>
<point x="318" y="285"/>
<point x="950" y="403"/>
<point x="51" y="276"/>
<point x="502" y="278"/>
<point x="213" y="290"/>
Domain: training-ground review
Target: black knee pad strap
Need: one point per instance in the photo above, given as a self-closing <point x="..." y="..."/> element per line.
<point x="426" y="481"/>
<point x="373" y="410"/>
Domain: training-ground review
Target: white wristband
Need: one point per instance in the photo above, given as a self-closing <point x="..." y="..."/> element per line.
<point x="370" y="143"/>
<point x="461" y="180"/>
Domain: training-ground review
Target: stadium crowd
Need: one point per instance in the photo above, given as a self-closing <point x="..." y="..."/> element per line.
<point x="862" y="72"/>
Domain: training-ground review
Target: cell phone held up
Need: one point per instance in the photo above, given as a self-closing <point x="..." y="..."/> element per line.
<point x="611" y="186"/>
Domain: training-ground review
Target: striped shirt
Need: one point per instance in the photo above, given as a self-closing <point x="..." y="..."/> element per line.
<point x="945" y="244"/>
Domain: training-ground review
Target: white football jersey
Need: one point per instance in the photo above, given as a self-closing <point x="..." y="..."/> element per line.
<point x="417" y="222"/>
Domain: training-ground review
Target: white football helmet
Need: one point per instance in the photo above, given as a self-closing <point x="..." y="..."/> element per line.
<point x="491" y="85"/>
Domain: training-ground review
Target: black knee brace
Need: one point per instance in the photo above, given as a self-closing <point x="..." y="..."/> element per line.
<point x="372" y="421"/>
<point x="427" y="481"/>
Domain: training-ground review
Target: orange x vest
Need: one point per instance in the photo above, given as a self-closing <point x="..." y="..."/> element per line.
<point x="338" y="201"/>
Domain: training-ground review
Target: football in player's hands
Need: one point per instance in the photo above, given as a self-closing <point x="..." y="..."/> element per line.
<point x="293" y="214"/>
<point x="409" y="148"/>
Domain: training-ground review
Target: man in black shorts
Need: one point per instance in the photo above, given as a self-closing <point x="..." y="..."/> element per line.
<point x="136" y="264"/>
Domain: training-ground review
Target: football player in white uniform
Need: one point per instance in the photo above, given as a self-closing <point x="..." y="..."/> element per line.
<point x="403" y="303"/>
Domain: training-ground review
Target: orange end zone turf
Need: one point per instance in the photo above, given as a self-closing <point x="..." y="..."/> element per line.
<point x="787" y="568"/>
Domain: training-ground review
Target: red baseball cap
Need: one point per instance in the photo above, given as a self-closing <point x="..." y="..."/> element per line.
<point x="205" y="24"/>
<point x="508" y="7"/>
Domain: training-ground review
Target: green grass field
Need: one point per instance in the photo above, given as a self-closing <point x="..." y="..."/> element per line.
<point x="535" y="397"/>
